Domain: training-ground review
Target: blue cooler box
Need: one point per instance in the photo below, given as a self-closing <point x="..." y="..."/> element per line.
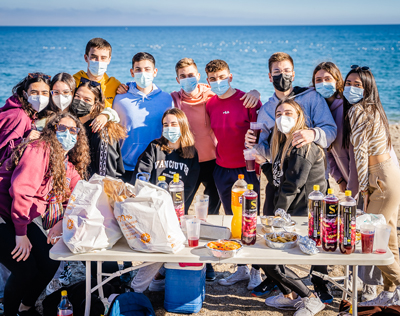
<point x="185" y="288"/>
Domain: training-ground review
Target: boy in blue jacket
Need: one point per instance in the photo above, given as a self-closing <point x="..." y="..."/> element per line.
<point x="140" y="110"/>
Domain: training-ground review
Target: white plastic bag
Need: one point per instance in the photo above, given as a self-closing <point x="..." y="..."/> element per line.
<point x="148" y="221"/>
<point x="89" y="222"/>
<point x="374" y="219"/>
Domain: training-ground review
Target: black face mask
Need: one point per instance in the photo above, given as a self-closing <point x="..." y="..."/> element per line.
<point x="282" y="82"/>
<point x="80" y="108"/>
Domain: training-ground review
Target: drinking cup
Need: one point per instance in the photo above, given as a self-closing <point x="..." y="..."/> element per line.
<point x="201" y="211"/>
<point x="367" y="238"/>
<point x="184" y="218"/>
<point x="382" y="234"/>
<point x="250" y="159"/>
<point x="193" y="231"/>
<point x="256" y="128"/>
<point x="202" y="198"/>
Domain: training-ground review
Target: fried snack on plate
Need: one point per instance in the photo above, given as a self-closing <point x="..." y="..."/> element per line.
<point x="226" y="245"/>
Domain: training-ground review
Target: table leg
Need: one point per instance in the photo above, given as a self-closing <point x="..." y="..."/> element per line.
<point x="100" y="278"/>
<point x="88" y="288"/>
<point x="346" y="282"/>
<point x="354" y="294"/>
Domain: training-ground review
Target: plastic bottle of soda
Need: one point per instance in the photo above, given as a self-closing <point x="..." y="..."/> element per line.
<point x="315" y="199"/>
<point x="162" y="184"/>
<point x="65" y="306"/>
<point x="329" y="222"/>
<point x="347" y="236"/>
<point x="238" y="189"/>
<point x="249" y="216"/>
<point x="176" y="188"/>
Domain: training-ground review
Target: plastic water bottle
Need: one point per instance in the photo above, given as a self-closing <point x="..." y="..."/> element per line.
<point x="249" y="216"/>
<point x="238" y="189"/>
<point x="65" y="306"/>
<point x="176" y="188"/>
<point x="161" y="183"/>
<point x="315" y="199"/>
<point x="329" y="222"/>
<point x="347" y="236"/>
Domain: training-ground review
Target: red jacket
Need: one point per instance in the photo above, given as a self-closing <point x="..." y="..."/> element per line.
<point x="24" y="190"/>
<point x="15" y="124"/>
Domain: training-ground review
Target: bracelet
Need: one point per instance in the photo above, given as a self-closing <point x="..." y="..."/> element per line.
<point x="340" y="180"/>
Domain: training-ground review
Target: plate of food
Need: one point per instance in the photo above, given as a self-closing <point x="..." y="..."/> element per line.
<point x="282" y="240"/>
<point x="223" y="248"/>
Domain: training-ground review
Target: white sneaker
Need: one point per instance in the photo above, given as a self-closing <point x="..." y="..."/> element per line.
<point x="381" y="300"/>
<point x="157" y="285"/>
<point x="309" y="306"/>
<point x="53" y="286"/>
<point x="369" y="292"/>
<point x="281" y="302"/>
<point x="360" y="283"/>
<point x="242" y="273"/>
<point x="395" y="300"/>
<point x="255" y="279"/>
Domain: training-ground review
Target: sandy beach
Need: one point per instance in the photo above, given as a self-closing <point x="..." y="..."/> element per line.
<point x="236" y="300"/>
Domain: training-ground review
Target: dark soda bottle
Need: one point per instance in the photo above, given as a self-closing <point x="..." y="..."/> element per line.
<point x="315" y="199"/>
<point x="249" y="216"/>
<point x="65" y="306"/>
<point x="329" y="222"/>
<point x="347" y="235"/>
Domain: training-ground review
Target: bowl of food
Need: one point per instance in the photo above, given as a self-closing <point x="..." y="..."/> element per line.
<point x="223" y="248"/>
<point x="282" y="240"/>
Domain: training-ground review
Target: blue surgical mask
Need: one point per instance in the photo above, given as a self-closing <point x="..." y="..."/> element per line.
<point x="143" y="79"/>
<point x="188" y="84"/>
<point x="220" y="87"/>
<point x="66" y="139"/>
<point x="172" y="133"/>
<point x="326" y="89"/>
<point x="353" y="94"/>
<point x="97" y="68"/>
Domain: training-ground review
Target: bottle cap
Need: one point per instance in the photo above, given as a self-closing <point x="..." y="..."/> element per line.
<point x="316" y="187"/>
<point x="249" y="187"/>
<point x="347" y="193"/>
<point x="143" y="178"/>
<point x="176" y="177"/>
<point x="64" y="293"/>
<point x="161" y="178"/>
<point x="241" y="176"/>
<point x="330" y="191"/>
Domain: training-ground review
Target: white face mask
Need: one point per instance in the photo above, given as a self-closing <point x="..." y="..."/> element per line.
<point x="97" y="68"/>
<point x="62" y="101"/>
<point x="38" y="102"/>
<point x="285" y="123"/>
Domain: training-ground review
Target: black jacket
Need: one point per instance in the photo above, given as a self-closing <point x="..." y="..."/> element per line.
<point x="106" y="159"/>
<point x="159" y="163"/>
<point x="304" y="168"/>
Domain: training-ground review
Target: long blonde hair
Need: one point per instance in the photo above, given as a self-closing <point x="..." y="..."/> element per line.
<point x="278" y="137"/>
<point x="187" y="140"/>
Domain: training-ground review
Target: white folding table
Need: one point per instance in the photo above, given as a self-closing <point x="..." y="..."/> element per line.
<point x="256" y="254"/>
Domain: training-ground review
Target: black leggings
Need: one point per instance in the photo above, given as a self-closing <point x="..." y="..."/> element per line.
<point x="28" y="278"/>
<point x="282" y="278"/>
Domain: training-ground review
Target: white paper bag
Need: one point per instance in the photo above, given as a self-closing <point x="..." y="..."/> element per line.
<point x="89" y="223"/>
<point x="148" y="221"/>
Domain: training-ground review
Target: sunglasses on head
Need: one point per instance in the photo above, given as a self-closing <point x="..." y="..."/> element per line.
<point x="91" y="83"/>
<point x="72" y="129"/>
<point x="364" y="68"/>
<point x="38" y="75"/>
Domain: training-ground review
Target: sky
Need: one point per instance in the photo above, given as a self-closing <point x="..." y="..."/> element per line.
<point x="193" y="13"/>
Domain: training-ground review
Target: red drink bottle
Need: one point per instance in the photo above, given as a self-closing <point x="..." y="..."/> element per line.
<point x="249" y="216"/>
<point x="315" y="200"/>
<point x="65" y="306"/>
<point x="347" y="236"/>
<point x="329" y="222"/>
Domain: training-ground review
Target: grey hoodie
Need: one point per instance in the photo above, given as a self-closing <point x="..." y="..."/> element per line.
<point x="316" y="110"/>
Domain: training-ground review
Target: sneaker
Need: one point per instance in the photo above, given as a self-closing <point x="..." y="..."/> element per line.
<point x="255" y="279"/>
<point x="210" y="273"/>
<point x="359" y="284"/>
<point x="309" y="306"/>
<point x="157" y="285"/>
<point x="264" y="289"/>
<point x="323" y="294"/>
<point x="381" y="300"/>
<point x="368" y="293"/>
<point x="281" y="302"/>
<point x="53" y="286"/>
<point x="65" y="276"/>
<point x="242" y="273"/>
<point x="31" y="312"/>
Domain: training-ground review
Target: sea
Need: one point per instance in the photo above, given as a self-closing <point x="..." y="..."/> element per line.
<point x="245" y="48"/>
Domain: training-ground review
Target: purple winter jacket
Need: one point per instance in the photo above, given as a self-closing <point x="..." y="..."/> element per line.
<point x="15" y="124"/>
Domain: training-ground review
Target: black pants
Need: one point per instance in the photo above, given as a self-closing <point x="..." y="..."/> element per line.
<point x="269" y="204"/>
<point x="206" y="178"/>
<point x="127" y="176"/>
<point x="28" y="278"/>
<point x="281" y="276"/>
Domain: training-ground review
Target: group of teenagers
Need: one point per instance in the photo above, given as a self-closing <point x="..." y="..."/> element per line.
<point x="57" y="130"/>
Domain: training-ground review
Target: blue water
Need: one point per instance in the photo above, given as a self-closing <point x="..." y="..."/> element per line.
<point x="246" y="49"/>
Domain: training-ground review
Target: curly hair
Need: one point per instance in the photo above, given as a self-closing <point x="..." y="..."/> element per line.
<point x="79" y="156"/>
<point x="217" y="65"/>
